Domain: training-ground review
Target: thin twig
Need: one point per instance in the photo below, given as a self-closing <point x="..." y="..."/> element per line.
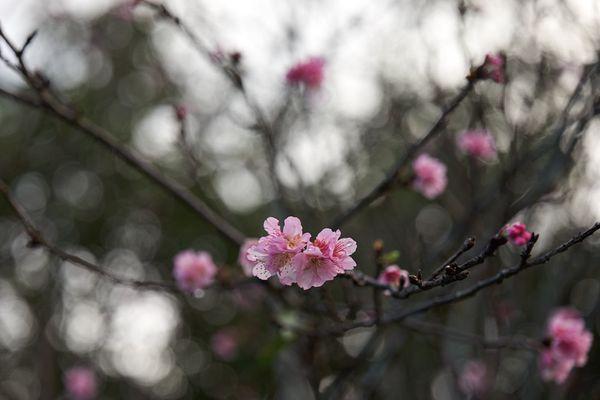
<point x="515" y="342"/>
<point x="48" y="102"/>
<point x="232" y="72"/>
<point x="466" y="246"/>
<point x="37" y="239"/>
<point x="472" y="290"/>
<point x="392" y="175"/>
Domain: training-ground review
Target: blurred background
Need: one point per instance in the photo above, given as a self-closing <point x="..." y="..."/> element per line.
<point x="389" y="68"/>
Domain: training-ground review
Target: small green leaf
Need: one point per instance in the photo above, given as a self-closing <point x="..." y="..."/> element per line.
<point x="391" y="257"/>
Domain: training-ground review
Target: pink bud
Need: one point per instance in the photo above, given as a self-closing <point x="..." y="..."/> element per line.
<point x="181" y="112"/>
<point x="493" y="68"/>
<point x="247" y="264"/>
<point x="394" y="276"/>
<point x="517" y="233"/>
<point x="308" y="73"/>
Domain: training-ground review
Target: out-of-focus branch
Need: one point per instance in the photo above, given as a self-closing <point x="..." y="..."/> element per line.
<point x="38" y="239"/>
<point x="515" y="342"/>
<point x="47" y="101"/>
<point x="388" y="182"/>
<point x="232" y="71"/>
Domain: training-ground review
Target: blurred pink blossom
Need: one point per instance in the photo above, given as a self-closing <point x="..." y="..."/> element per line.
<point x="181" y="112"/>
<point x="430" y="176"/>
<point x="273" y="253"/>
<point x="477" y="143"/>
<point x="125" y="10"/>
<point x="80" y="383"/>
<point x="247" y="264"/>
<point x="473" y="379"/>
<point x="394" y="276"/>
<point x="569" y="345"/>
<point x="194" y="270"/>
<point x="493" y="68"/>
<point x="517" y="233"/>
<point x="224" y="344"/>
<point x="308" y="73"/>
<point x="323" y="259"/>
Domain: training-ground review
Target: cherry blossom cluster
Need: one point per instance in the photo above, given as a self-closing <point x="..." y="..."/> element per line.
<point x="517" y="233"/>
<point x="568" y="345"/>
<point x="289" y="254"/>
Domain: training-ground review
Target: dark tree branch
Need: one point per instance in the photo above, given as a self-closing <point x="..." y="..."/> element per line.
<point x="230" y="69"/>
<point x="472" y="290"/>
<point x="466" y="246"/>
<point x="515" y="342"/>
<point x="38" y="239"/>
<point x="49" y="103"/>
<point x="383" y="187"/>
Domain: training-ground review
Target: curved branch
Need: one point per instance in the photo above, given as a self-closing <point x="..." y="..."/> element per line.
<point x="37" y="239"/>
<point x="384" y="186"/>
<point x="47" y="101"/>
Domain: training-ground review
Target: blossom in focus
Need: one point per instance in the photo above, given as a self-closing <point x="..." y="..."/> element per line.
<point x="478" y="143"/>
<point x="194" y="270"/>
<point x="493" y="68"/>
<point x="309" y="73"/>
<point x="473" y="379"/>
<point x="273" y="254"/>
<point x="430" y="176"/>
<point x="80" y="383"/>
<point x="517" y="233"/>
<point x="394" y="276"/>
<point x="569" y="344"/>
<point x="247" y="264"/>
<point x="224" y="344"/>
<point x="323" y="259"/>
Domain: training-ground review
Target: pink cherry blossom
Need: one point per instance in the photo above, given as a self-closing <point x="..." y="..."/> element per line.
<point x="394" y="276"/>
<point x="569" y="345"/>
<point x="309" y="73"/>
<point x="274" y="253"/>
<point x="473" y="379"/>
<point x="493" y="68"/>
<point x="430" y="176"/>
<point x="517" y="233"/>
<point x="477" y="143"/>
<point x="323" y="259"/>
<point x="194" y="270"/>
<point x="80" y="383"/>
<point x="224" y="344"/>
<point x="247" y="264"/>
